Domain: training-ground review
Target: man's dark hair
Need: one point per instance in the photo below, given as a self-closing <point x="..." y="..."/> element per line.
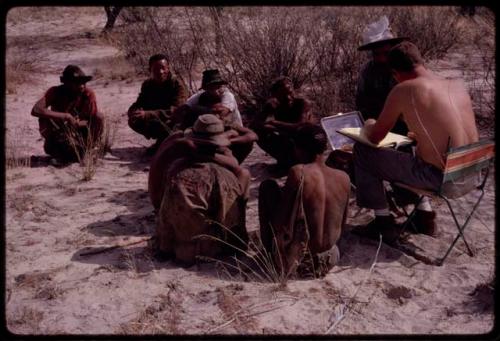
<point x="311" y="138"/>
<point x="156" y="57"/>
<point x="404" y="57"/>
<point x="279" y="82"/>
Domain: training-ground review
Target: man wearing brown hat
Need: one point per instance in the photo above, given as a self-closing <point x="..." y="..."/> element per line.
<point x="197" y="187"/>
<point x="281" y="116"/>
<point x="151" y="114"/>
<point x="215" y="98"/>
<point x="68" y="117"/>
<point x="375" y="79"/>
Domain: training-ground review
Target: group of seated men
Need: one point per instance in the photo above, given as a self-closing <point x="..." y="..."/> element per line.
<point x="198" y="187"/>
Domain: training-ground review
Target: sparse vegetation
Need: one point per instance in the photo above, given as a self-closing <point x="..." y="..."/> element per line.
<point x="253" y="46"/>
<point x="89" y="149"/>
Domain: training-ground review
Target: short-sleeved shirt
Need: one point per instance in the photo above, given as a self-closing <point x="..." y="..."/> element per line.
<point x="160" y="96"/>
<point x="58" y="98"/>
<point x="228" y="100"/>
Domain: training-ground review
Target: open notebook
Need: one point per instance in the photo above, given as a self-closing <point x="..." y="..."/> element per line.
<point x="391" y="140"/>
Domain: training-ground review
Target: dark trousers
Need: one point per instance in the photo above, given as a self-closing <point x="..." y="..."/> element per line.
<point x="373" y="165"/>
<point x="279" y="145"/>
<point x="151" y="128"/>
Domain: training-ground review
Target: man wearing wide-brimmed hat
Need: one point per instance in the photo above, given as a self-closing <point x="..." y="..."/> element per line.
<point x="215" y="98"/>
<point x="197" y="186"/>
<point x="67" y="114"/>
<point x="375" y="80"/>
<point x="151" y="114"/>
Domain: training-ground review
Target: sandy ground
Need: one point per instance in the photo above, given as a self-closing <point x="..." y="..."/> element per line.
<point x="52" y="216"/>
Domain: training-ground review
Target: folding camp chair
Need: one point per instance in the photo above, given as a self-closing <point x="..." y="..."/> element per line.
<point x="463" y="164"/>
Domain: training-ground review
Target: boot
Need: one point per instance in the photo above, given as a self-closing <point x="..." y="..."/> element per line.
<point x="385" y="225"/>
<point x="425" y="222"/>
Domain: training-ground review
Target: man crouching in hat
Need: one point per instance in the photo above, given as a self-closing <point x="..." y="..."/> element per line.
<point x="68" y="117"/>
<point x="215" y="98"/>
<point x="198" y="188"/>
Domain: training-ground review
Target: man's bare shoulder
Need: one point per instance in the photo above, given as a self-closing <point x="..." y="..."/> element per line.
<point x="336" y="175"/>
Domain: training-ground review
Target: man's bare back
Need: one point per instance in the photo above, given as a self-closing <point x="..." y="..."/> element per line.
<point x="307" y="214"/>
<point x="325" y="197"/>
<point x="437" y="109"/>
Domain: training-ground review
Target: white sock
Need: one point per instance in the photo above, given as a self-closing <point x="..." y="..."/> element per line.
<point x="425" y="205"/>
<point x="382" y="212"/>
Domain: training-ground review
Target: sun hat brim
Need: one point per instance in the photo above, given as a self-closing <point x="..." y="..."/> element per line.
<point x="378" y="43"/>
<point x="220" y="139"/>
<point x="79" y="79"/>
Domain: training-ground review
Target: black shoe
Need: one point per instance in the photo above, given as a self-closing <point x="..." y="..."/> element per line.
<point x="384" y="225"/>
<point x="425" y="222"/>
<point x="151" y="150"/>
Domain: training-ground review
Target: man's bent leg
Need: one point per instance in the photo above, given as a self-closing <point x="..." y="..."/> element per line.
<point x="372" y="165"/>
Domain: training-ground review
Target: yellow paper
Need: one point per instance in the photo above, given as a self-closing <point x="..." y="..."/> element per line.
<point x="391" y="140"/>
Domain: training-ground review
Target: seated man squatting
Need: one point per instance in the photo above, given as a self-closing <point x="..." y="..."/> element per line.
<point x="151" y="114"/>
<point x="282" y="114"/>
<point x="301" y="222"/>
<point x="68" y="117"/>
<point x="214" y="98"/>
<point x="197" y="186"/>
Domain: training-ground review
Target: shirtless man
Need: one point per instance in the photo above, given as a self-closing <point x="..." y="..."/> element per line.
<point x="438" y="113"/>
<point x="307" y="215"/>
<point x="283" y="113"/>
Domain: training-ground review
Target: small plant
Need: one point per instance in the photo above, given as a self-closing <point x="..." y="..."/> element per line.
<point x="89" y="148"/>
<point x="258" y="264"/>
<point x="16" y="149"/>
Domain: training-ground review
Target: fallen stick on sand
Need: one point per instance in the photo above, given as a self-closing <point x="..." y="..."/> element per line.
<point x="109" y="248"/>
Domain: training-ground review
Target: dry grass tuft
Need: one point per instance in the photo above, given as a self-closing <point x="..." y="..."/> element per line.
<point x="89" y="149"/>
<point x="161" y="317"/>
<point x="25" y="320"/>
<point x="17" y="148"/>
<point x="254" y="264"/>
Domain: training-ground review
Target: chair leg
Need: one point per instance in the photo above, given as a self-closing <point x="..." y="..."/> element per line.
<point x="410" y="217"/>
<point x="460" y="228"/>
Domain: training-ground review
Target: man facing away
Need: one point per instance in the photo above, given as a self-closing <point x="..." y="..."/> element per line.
<point x="439" y="114"/>
<point x="301" y="223"/>
<point x="283" y="113"/>
<point x="68" y="117"/>
<point x="151" y="114"/>
<point x="197" y="187"/>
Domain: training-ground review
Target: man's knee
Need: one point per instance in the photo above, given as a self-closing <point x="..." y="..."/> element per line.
<point x="268" y="187"/>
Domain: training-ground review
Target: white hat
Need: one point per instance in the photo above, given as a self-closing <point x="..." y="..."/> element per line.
<point x="378" y="33"/>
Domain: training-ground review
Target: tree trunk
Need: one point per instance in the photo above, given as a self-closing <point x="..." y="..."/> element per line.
<point x="111" y="13"/>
